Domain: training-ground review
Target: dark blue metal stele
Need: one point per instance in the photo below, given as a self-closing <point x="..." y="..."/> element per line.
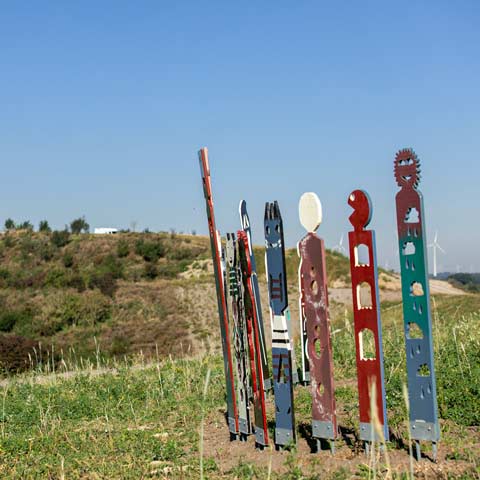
<point x="422" y="390"/>
<point x="245" y="223"/>
<point x="282" y="353"/>
<point x="235" y="296"/>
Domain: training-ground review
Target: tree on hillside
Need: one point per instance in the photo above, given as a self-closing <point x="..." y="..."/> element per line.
<point x="9" y="224"/>
<point x="26" y="225"/>
<point x="43" y="226"/>
<point x="79" y="225"/>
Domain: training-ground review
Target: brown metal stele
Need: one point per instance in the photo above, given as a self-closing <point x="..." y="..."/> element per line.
<point x="314" y="300"/>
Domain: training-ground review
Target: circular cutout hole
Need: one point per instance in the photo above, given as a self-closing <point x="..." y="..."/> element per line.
<point x="277" y="228"/>
<point x="317" y="330"/>
<point x="317" y="347"/>
<point x="320" y="389"/>
<point x="314" y="287"/>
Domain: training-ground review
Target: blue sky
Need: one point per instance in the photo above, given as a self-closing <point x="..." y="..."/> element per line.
<point x="103" y="106"/>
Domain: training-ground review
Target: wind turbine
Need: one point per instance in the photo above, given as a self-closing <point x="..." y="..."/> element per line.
<point x="435" y="245"/>
<point x="340" y="248"/>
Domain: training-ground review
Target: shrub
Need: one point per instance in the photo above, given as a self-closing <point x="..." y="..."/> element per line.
<point x="120" y="345"/>
<point x="181" y="253"/>
<point x="68" y="260"/>
<point x="78" y="225"/>
<point x="63" y="310"/>
<point x="15" y="351"/>
<point x="8" y="241"/>
<point x="46" y="251"/>
<point x="26" y="225"/>
<point x="105" y="276"/>
<point x="60" y="238"/>
<point x="169" y="270"/>
<point x="7" y="321"/>
<point x="43" y="226"/>
<point x="151" y="251"/>
<point x="150" y="271"/>
<point x="123" y="248"/>
<point x="9" y="224"/>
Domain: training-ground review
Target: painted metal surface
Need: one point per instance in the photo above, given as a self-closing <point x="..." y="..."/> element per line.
<point x="215" y="244"/>
<point x="237" y="314"/>
<point x="253" y="335"/>
<point x="245" y="223"/>
<point x="282" y="352"/>
<point x="367" y="321"/>
<point x="314" y="301"/>
<point x="416" y="300"/>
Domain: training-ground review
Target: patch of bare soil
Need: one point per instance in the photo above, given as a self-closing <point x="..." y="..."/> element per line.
<point x="349" y="458"/>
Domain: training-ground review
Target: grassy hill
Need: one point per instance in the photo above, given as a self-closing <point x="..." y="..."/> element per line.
<point x="123" y="294"/>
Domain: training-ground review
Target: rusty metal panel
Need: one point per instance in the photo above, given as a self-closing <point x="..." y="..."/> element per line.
<point x="215" y="244"/>
<point x="253" y="335"/>
<point x="416" y="301"/>
<point x="245" y="222"/>
<point x="367" y="321"/>
<point x="314" y="301"/>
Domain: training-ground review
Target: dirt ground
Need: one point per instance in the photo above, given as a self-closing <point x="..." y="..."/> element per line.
<point x="349" y="458"/>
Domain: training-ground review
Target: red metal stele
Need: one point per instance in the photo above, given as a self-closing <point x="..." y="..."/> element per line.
<point x="314" y="299"/>
<point x="232" y="411"/>
<point x="366" y="313"/>
<point x="254" y="345"/>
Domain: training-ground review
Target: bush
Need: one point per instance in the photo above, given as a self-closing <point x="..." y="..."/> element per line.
<point x="106" y="274"/>
<point x="9" y="224"/>
<point x="68" y="260"/>
<point x="181" y="253"/>
<point x="123" y="248"/>
<point x="15" y="351"/>
<point x="63" y="310"/>
<point x="26" y="225"/>
<point x="46" y="251"/>
<point x="60" y="238"/>
<point x="151" y="251"/>
<point x="150" y="271"/>
<point x="8" y="241"/>
<point x="78" y="225"/>
<point x="8" y="321"/>
<point x="43" y="226"/>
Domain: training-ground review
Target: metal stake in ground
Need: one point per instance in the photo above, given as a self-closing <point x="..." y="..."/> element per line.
<point x="282" y="352"/>
<point x="221" y="300"/>
<point x="235" y="296"/>
<point x="245" y="222"/>
<point x="317" y="349"/>
<point x="417" y="318"/>
<point x="367" y="323"/>
<point x="259" y="407"/>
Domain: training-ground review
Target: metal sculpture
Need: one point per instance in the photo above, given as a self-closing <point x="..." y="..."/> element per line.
<point x="422" y="390"/>
<point x="253" y="334"/>
<point x="236" y="300"/>
<point x="245" y="222"/>
<point x="317" y="347"/>
<point x="367" y="322"/>
<point x="216" y="247"/>
<point x="282" y="351"/>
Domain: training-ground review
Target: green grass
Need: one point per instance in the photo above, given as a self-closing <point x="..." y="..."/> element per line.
<point x="133" y="421"/>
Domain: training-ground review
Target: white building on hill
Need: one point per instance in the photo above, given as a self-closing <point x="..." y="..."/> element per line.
<point x="105" y="231"/>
